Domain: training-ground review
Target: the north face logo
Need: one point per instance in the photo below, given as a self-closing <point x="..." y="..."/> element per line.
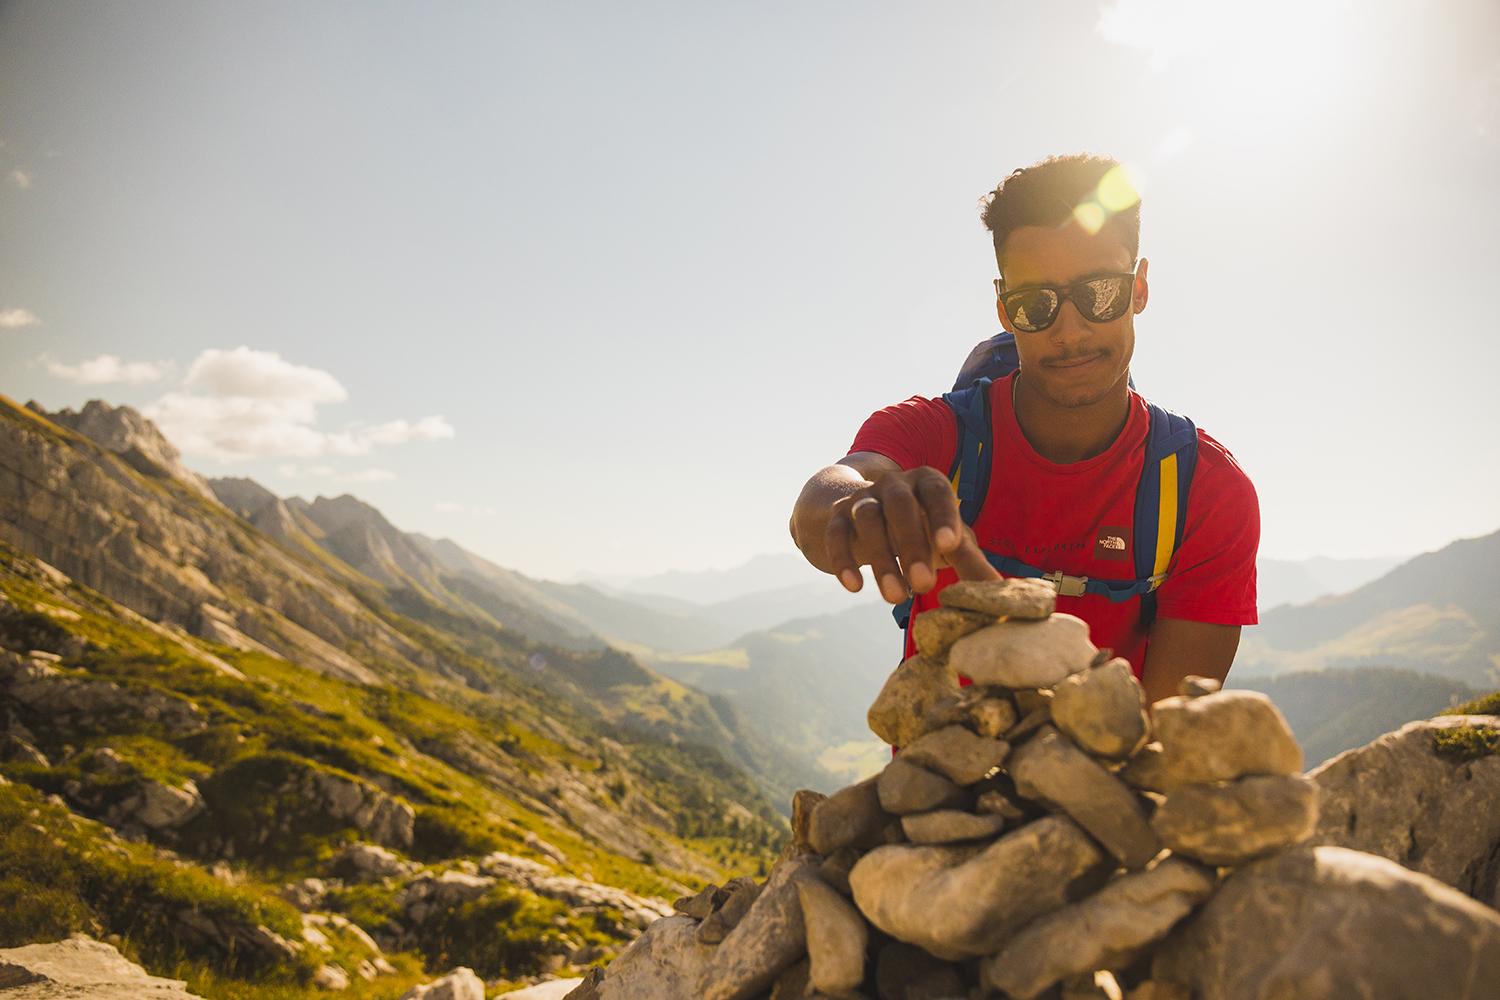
<point x="1112" y="543"/>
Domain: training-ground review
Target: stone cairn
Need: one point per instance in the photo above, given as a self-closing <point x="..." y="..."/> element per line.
<point x="1037" y="834"/>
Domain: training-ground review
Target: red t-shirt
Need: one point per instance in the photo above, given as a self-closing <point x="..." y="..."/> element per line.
<point x="1072" y="517"/>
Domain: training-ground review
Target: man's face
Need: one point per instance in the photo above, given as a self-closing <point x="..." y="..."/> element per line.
<point x="1073" y="362"/>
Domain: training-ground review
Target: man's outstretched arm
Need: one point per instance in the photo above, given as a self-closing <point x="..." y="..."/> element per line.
<point x="866" y="511"/>
<point x="1178" y="647"/>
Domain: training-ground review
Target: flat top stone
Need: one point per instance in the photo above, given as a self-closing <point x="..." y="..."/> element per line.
<point x="1013" y="598"/>
<point x="1024" y="654"/>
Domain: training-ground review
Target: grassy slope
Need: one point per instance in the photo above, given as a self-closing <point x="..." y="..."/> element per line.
<point x="403" y="740"/>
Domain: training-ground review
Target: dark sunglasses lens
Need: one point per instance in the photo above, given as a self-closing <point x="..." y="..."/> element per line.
<point x="1104" y="299"/>
<point x="1033" y="309"/>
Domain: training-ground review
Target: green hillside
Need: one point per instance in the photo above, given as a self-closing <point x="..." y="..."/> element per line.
<point x="1331" y="711"/>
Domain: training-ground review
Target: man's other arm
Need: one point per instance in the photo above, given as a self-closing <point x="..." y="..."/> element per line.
<point x="1178" y="647"/>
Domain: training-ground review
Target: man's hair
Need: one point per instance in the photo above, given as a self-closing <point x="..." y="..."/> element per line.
<point x="1049" y="192"/>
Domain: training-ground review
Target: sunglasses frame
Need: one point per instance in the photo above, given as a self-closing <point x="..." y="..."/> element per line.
<point x="1065" y="293"/>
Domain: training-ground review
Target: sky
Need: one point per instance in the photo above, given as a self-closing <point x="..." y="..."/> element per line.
<point x="595" y="287"/>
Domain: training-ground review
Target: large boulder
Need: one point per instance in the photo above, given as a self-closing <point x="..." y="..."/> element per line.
<point x="1105" y="931"/>
<point x="1024" y="654"/>
<point x="81" y="967"/>
<point x="1400" y="798"/>
<point x="960" y="902"/>
<point x="1326" y="923"/>
<point x="1214" y="737"/>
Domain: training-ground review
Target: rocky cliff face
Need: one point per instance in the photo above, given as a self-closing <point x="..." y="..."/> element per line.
<point x="170" y="551"/>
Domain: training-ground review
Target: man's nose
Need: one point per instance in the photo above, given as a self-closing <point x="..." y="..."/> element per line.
<point x="1070" y="326"/>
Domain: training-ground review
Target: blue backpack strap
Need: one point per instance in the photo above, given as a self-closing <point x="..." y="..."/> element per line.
<point x="970" y="471"/>
<point x="992" y="359"/>
<point x="1161" y="499"/>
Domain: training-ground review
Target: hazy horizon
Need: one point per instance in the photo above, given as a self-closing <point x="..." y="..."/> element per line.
<point x="594" y="289"/>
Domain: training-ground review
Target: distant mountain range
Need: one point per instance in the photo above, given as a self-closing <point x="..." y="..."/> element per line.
<point x="1331" y="711"/>
<point x="1438" y="613"/>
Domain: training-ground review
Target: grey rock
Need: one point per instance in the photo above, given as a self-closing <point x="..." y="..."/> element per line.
<point x="1399" y="798"/>
<point x="903" y="788"/>
<point x="461" y="984"/>
<point x="1194" y="686"/>
<point x="1232" y="822"/>
<point x="954" y="752"/>
<point x="1011" y="598"/>
<point x="837" y="937"/>
<point x="768" y="939"/>
<point x="992" y="716"/>
<point x="851" y="815"/>
<point x="371" y="862"/>
<point x="1105" y="931"/>
<point x="699" y="905"/>
<point x="665" y="961"/>
<point x="1050" y="769"/>
<point x="1327" y="923"/>
<point x="949" y="826"/>
<point x="910" y="692"/>
<point x="835" y="868"/>
<point x="725" y="918"/>
<point x="81" y="967"/>
<point x="1000" y="803"/>
<point x="804" y="800"/>
<point x="1215" y="737"/>
<point x="160" y="806"/>
<point x="903" y="971"/>
<point x="1024" y="654"/>
<point x="332" y="978"/>
<point x="1102" y="710"/>
<point x="964" y="901"/>
<point x="936" y="629"/>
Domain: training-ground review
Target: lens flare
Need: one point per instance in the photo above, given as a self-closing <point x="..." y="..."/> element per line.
<point x="1115" y="193"/>
<point x="1090" y="215"/>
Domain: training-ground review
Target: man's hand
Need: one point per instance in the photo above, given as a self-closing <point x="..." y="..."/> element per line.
<point x="867" y="511"/>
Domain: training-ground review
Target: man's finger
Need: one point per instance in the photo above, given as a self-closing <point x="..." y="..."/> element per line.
<point x="868" y="514"/>
<point x="969" y="561"/>
<point x="906" y="527"/>
<point x="839" y="539"/>
<point x="935" y="494"/>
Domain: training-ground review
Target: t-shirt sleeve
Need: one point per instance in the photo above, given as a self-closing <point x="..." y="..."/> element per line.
<point x="917" y="432"/>
<point x="1212" y="578"/>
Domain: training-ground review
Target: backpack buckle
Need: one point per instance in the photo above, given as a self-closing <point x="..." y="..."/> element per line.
<point x="1067" y="586"/>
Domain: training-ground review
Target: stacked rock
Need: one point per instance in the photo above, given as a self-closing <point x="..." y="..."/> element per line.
<point x="1035" y="834"/>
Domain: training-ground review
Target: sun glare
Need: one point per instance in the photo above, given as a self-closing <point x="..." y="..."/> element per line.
<point x="1117" y="191"/>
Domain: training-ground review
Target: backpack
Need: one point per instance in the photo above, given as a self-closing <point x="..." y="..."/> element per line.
<point x="1160" y="499"/>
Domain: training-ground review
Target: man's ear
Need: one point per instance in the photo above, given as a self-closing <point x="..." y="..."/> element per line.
<point x="1140" y="291"/>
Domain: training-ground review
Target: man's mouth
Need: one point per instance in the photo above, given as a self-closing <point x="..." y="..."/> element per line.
<point x="1077" y="361"/>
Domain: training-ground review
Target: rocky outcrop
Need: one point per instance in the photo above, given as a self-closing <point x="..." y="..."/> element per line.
<point x="1325" y="923"/>
<point x="1046" y="849"/>
<point x="80" y="968"/>
<point x="161" y="544"/>
<point x="1402" y="798"/>
<point x="124" y="431"/>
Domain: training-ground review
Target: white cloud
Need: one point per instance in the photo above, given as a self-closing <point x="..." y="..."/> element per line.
<point x="14" y="319"/>
<point x="107" y="369"/>
<point x="245" y="403"/>
<point x="20" y="178"/>
<point x="260" y="375"/>
<point x="400" y="431"/>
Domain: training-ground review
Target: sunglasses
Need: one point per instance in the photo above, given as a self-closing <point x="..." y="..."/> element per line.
<point x="1033" y="308"/>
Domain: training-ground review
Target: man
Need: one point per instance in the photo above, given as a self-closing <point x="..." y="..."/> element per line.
<point x="1067" y="455"/>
